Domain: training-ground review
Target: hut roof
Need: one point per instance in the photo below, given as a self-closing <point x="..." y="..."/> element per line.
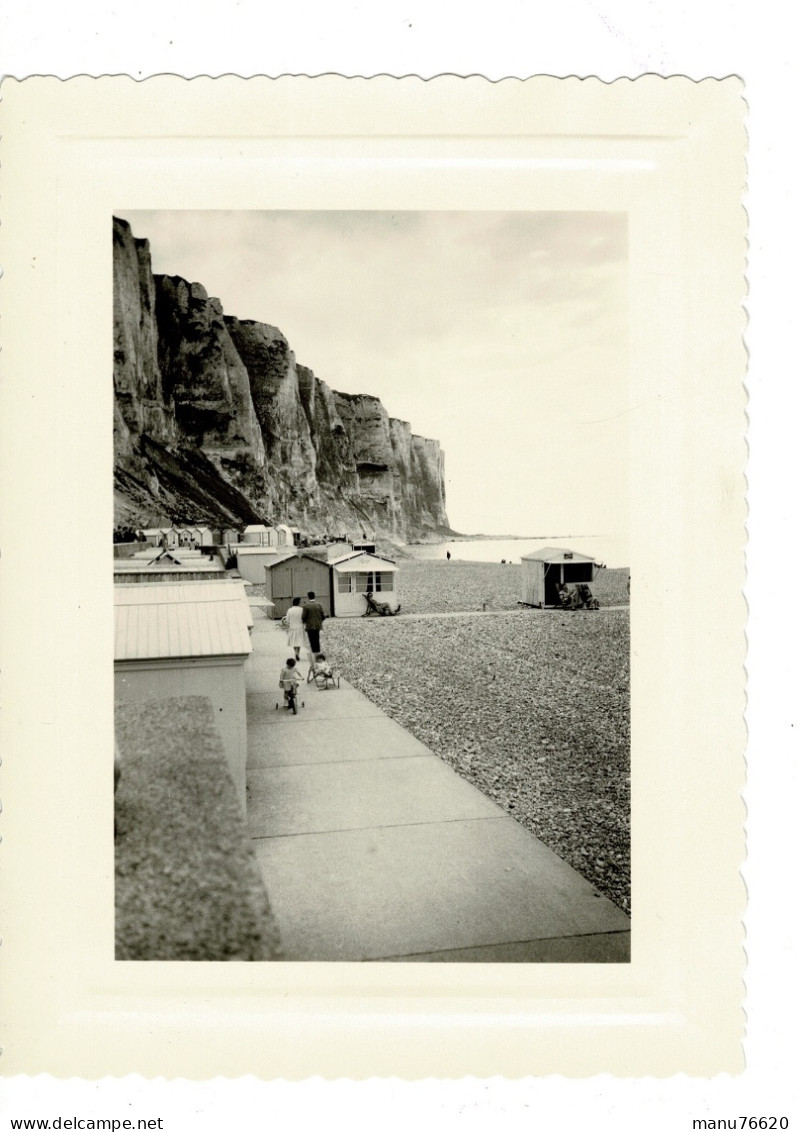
<point x="154" y="553"/>
<point x="280" y="556"/>
<point x="193" y="566"/>
<point x="556" y="554"/>
<point x="256" y="548"/>
<point x="171" y="621"/>
<point x="359" y="562"/>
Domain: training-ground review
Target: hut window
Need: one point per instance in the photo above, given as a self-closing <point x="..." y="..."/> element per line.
<point x="345" y="585"/>
<point x="377" y="582"/>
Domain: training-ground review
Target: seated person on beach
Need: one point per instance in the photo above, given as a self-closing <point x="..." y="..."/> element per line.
<point x="289" y="678"/>
<point x="585" y="594"/>
<point x="564" y="594"/>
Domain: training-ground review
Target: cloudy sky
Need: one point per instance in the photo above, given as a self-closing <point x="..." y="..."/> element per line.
<point x="503" y="335"/>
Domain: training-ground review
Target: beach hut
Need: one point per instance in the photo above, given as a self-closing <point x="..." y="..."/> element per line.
<point x="125" y="549"/>
<point x="357" y="573"/>
<point x="285" y="536"/>
<point x="251" y="558"/>
<point x="288" y="575"/>
<point x="256" y="533"/>
<point x="230" y="536"/>
<point x="188" y="640"/>
<point x="544" y="570"/>
<point x="169" y="566"/>
<point x="167" y="537"/>
<point x="326" y="552"/>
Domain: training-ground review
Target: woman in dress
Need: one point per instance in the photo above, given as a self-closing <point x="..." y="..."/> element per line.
<point x="296" y="631"/>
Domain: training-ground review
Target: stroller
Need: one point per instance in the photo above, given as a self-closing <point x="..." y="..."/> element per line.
<point x="322" y="674"/>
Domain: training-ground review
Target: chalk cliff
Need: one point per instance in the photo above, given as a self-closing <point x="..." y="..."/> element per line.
<point x="216" y="422"/>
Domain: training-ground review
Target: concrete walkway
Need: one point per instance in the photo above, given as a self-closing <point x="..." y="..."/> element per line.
<point x="372" y="848"/>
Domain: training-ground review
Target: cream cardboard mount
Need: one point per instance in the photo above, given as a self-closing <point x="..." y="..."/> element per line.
<point x="668" y="152"/>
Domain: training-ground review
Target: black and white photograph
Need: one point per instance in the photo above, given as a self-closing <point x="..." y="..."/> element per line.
<point x="371" y="586"/>
<point x="360" y="410"/>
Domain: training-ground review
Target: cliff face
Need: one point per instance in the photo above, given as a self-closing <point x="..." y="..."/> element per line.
<point x="215" y="421"/>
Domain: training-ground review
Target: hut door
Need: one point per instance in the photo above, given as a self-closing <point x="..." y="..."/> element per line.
<point x="305" y="576"/>
<point x="553" y="574"/>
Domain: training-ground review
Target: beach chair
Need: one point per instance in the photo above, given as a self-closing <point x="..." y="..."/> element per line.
<point x="321" y="679"/>
<point x="380" y="607"/>
<point x="326" y="679"/>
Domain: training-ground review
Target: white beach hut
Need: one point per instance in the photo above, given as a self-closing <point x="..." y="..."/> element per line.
<point x="257" y="534"/>
<point x="285" y="535"/>
<point x="181" y="640"/>
<point x="357" y="573"/>
<point x="543" y="571"/>
<point x="251" y="558"/>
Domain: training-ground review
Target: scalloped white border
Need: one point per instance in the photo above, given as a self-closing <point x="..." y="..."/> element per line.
<point x="73" y="153"/>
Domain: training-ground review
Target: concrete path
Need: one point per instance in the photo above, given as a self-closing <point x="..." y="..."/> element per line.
<point x="372" y="848"/>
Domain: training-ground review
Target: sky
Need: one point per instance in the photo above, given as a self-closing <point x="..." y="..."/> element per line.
<point x="501" y="334"/>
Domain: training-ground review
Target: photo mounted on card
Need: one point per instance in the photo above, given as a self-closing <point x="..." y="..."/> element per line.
<point x="351" y="408"/>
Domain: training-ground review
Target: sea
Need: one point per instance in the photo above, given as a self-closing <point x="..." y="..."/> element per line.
<point x="609" y="550"/>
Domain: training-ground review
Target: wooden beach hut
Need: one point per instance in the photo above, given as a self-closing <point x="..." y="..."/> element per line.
<point x="169" y="566"/>
<point x="257" y="533"/>
<point x="285" y="535"/>
<point x="205" y="536"/>
<point x="288" y="575"/>
<point x="188" y="640"/>
<point x="543" y="571"/>
<point x="357" y="573"/>
<point x="167" y="537"/>
<point x="251" y="558"/>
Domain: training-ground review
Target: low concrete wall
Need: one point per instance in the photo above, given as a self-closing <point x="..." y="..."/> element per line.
<point x="187" y="883"/>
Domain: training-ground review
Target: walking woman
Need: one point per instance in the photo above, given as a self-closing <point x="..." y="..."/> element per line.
<point x="295" y="626"/>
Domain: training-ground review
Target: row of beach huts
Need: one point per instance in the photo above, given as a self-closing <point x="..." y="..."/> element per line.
<point x="195" y="536"/>
<point x="340" y="573"/>
<point x="183" y="612"/>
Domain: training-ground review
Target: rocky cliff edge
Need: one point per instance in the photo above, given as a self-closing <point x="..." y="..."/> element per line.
<point x="215" y="422"/>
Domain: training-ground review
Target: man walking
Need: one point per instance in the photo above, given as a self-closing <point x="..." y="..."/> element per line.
<point x="313" y="619"/>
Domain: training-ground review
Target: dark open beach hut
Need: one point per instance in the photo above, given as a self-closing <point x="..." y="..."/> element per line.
<point x="543" y="571"/>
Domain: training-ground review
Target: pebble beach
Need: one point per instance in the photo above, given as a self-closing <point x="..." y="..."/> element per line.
<point x="530" y="706"/>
